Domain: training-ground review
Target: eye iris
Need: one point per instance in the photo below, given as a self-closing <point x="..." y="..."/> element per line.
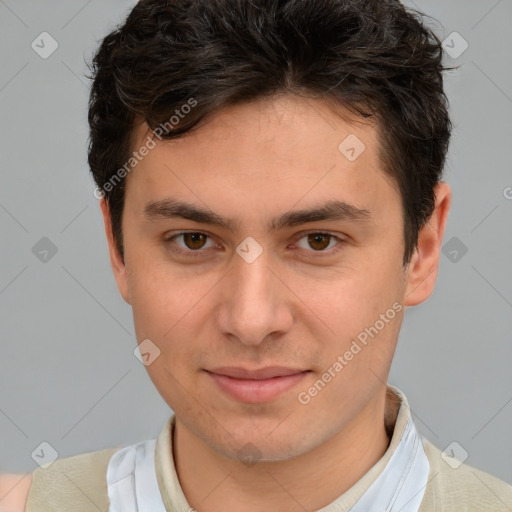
<point x="316" y="238"/>
<point x="317" y="241"/>
<point x="196" y="238"/>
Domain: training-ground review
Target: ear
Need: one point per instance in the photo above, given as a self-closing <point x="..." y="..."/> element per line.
<point x="116" y="261"/>
<point x="422" y="270"/>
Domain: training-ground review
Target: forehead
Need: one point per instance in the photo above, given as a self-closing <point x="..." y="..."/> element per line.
<point x="285" y="150"/>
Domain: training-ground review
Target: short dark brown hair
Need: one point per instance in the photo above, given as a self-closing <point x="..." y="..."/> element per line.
<point x="376" y="58"/>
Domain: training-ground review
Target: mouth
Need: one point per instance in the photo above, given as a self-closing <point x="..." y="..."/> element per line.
<point x="256" y="386"/>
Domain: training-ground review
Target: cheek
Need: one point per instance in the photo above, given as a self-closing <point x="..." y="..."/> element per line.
<point x="165" y="311"/>
<point x="171" y="309"/>
<point x="160" y="295"/>
<point x="363" y="311"/>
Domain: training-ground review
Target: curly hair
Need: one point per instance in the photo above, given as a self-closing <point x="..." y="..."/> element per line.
<point x="376" y="58"/>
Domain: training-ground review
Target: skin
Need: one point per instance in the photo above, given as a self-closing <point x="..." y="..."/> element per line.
<point x="14" y="490"/>
<point x="290" y="307"/>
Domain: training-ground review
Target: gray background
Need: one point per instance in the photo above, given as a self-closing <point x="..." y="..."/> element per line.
<point x="68" y="373"/>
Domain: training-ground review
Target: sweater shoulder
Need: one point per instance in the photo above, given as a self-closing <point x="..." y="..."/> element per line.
<point x="77" y="483"/>
<point x="460" y="487"/>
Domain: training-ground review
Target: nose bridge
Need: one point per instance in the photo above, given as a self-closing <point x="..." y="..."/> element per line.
<point x="254" y="304"/>
<point x="253" y="277"/>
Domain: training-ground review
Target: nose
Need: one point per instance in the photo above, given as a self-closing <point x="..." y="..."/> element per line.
<point x="255" y="303"/>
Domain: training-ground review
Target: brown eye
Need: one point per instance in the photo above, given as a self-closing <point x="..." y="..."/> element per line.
<point x="319" y="241"/>
<point x="194" y="240"/>
<point x="189" y="243"/>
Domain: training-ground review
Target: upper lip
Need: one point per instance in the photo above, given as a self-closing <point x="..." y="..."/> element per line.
<point x="259" y="374"/>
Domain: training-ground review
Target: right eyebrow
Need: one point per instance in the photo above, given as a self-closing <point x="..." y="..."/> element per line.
<point x="331" y="210"/>
<point x="172" y="208"/>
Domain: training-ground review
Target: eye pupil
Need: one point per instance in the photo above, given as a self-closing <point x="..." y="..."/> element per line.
<point x="197" y="240"/>
<point x="316" y="238"/>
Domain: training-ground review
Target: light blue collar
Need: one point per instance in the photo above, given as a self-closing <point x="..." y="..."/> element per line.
<point x="133" y="486"/>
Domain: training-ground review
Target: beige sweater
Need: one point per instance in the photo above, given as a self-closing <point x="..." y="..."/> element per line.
<point x="78" y="483"/>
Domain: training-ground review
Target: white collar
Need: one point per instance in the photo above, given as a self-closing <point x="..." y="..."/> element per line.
<point x="136" y="481"/>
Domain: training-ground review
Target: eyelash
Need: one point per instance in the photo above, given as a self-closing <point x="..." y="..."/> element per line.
<point x="200" y="252"/>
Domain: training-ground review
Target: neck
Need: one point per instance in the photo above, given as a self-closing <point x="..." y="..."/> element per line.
<point x="307" y="482"/>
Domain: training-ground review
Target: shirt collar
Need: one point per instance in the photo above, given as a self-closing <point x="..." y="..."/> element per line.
<point x="404" y="464"/>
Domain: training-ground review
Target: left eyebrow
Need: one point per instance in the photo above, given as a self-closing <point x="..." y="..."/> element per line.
<point x="331" y="210"/>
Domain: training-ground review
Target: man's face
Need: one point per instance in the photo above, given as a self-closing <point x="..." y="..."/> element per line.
<point x="208" y="299"/>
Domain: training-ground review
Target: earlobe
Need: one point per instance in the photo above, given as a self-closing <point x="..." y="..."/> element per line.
<point x="424" y="264"/>
<point x="118" y="266"/>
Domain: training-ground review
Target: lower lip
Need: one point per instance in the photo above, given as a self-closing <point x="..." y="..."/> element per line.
<point x="256" y="391"/>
